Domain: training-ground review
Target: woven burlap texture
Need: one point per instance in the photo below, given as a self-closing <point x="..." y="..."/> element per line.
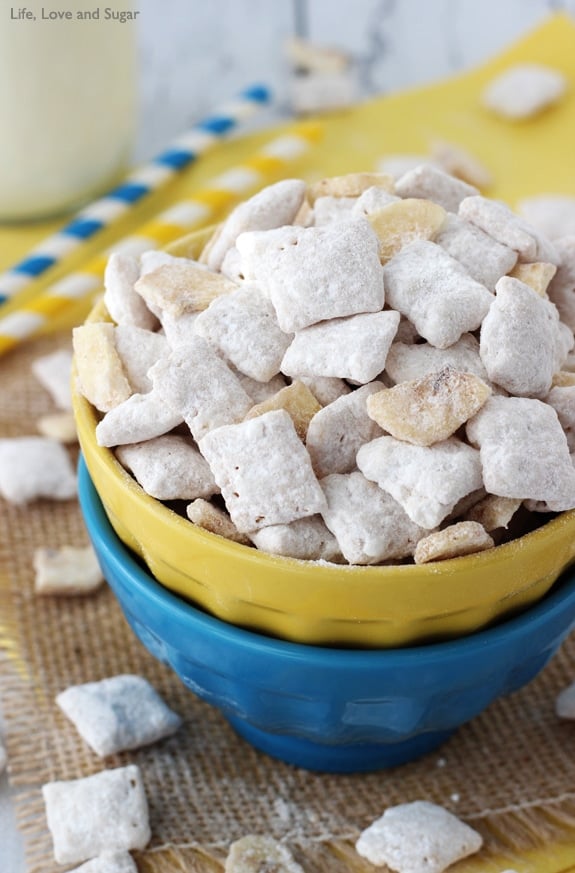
<point x="509" y="772"/>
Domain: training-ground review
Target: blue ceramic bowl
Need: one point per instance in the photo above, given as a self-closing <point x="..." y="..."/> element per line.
<point x="337" y="710"/>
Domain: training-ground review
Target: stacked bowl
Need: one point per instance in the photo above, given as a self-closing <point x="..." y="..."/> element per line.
<point x="329" y="667"/>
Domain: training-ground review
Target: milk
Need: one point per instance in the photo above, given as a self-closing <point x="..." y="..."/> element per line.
<point x="67" y="103"/>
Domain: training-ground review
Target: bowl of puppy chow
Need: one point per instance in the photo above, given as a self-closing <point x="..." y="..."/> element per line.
<point x="328" y="459"/>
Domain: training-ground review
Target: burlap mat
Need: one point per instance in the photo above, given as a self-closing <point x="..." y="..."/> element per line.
<point x="509" y="772"/>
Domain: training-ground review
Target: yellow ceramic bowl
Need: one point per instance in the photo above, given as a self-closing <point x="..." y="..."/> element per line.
<point x="304" y="602"/>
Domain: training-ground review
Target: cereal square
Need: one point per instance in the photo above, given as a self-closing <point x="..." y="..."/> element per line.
<point x="485" y="259"/>
<point x="274" y="206"/>
<point x="521" y="344"/>
<point x="122" y="301"/>
<point x="264" y="471"/>
<point x="54" y="372"/>
<point x="426" y="480"/>
<point x="337" y="431"/>
<point x="499" y="221"/>
<point x="33" y="467"/>
<point x="307" y="539"/>
<point x="243" y="326"/>
<point x="349" y="348"/>
<point x="418" y="837"/>
<point x="431" y="183"/>
<point x="523" y="90"/>
<point x="369" y="525"/>
<point x="195" y="382"/>
<point x="408" y="361"/>
<point x="68" y="570"/>
<point x="168" y="468"/>
<point x="139" y="350"/>
<point x="119" y="713"/>
<point x="435" y="292"/>
<point x="524" y="452"/>
<point x="316" y="273"/>
<point x="140" y="417"/>
<point x="106" y="812"/>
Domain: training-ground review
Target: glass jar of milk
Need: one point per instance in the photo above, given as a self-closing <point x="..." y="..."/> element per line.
<point x="67" y="103"/>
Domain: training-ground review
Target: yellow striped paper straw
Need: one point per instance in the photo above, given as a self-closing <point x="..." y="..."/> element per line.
<point x="223" y="191"/>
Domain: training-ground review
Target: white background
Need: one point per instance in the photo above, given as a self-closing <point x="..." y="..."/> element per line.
<point x="194" y="54"/>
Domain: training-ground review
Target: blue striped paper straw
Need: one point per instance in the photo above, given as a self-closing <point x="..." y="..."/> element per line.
<point x="103" y="212"/>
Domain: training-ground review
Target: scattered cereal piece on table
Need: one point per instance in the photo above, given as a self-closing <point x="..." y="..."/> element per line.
<point x="337" y="431"/>
<point x="418" y="837"/>
<point x="120" y="862"/>
<point x="427" y="481"/>
<point x="431" y="183"/>
<point x="349" y="348"/>
<point x="215" y="520"/>
<point x="140" y="417"/>
<point x="435" y="292"/>
<point x="119" y="713"/>
<point x="168" y="468"/>
<point x="69" y="570"/>
<point x="565" y="702"/>
<point x="33" y="467"/>
<point x="101" y="375"/>
<point x="462" y="538"/>
<point x="264" y="471"/>
<point x="260" y="854"/>
<point x="315" y="92"/>
<point x="430" y="409"/>
<point x="523" y="90"/>
<point x="121" y="299"/>
<point x="316" y="273"/>
<point x="54" y="372"/>
<point x="297" y="400"/>
<point x="369" y="525"/>
<point x="59" y="426"/>
<point x="106" y="812"/>
<point x="306" y="55"/>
